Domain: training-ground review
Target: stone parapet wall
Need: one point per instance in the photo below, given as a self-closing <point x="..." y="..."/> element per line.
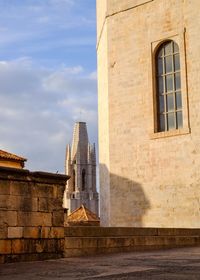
<point x="31" y="215"/>
<point x="80" y="241"/>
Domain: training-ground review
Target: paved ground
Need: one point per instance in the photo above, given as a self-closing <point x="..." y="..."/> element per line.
<point x="169" y="264"/>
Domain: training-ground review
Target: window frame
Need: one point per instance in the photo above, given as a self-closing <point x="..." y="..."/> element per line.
<point x="179" y="39"/>
<point x="163" y="94"/>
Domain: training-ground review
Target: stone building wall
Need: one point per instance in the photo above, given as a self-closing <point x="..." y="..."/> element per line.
<point x="31" y="215"/>
<point x="147" y="178"/>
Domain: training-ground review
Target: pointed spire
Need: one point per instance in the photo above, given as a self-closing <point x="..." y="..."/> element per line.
<point x="68" y="153"/>
<point x="78" y="154"/>
<point x="80" y="141"/>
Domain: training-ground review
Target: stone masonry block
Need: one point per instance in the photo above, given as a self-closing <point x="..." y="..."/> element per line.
<point x="73" y="243"/>
<point x="89" y="242"/>
<point x="4" y="187"/>
<point x="34" y="219"/>
<point x="60" y="191"/>
<point x="15" y="232"/>
<point x="45" y="232"/>
<point x="2" y="259"/>
<point x="18" y="246"/>
<point x="8" y="218"/>
<point x="4" y="202"/>
<point x="52" y="232"/>
<point x="18" y="203"/>
<point x="30" y="246"/>
<point x="25" y="204"/>
<point x="57" y="232"/>
<point x="44" y="190"/>
<point x="58" y="218"/>
<point x="31" y="232"/>
<point x="54" y="245"/>
<point x="21" y="188"/>
<point x="5" y="246"/>
<point x="49" y="204"/>
<point x="3" y="231"/>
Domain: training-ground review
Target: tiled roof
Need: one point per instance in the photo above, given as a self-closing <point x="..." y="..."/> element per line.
<point x="6" y="155"/>
<point x="82" y="214"/>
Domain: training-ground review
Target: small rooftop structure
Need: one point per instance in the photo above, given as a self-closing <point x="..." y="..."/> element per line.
<point x="11" y="160"/>
<point x="82" y="217"/>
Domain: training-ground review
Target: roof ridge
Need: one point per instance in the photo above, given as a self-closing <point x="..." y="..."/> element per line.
<point x="6" y="154"/>
<point x="84" y="209"/>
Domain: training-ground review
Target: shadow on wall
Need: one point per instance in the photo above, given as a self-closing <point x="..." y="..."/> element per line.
<point x="127" y="201"/>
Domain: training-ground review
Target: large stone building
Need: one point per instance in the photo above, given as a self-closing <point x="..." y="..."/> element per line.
<point x="80" y="165"/>
<point x="149" y="116"/>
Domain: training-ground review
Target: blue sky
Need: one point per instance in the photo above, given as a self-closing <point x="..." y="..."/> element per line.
<point x="47" y="77"/>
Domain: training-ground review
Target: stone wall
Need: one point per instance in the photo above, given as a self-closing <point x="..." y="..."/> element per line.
<point x="82" y="241"/>
<point x="147" y="178"/>
<point x="31" y="215"/>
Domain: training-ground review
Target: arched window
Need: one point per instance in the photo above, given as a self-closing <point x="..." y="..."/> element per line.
<point x="83" y="179"/>
<point x="168" y="90"/>
<point x="74" y="180"/>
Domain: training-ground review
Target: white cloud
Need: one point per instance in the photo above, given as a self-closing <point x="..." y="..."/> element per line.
<point x="38" y="109"/>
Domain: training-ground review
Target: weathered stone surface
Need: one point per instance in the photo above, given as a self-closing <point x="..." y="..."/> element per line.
<point x="18" y="246"/>
<point x="34" y="219"/>
<point x="56" y="232"/>
<point x="8" y="218"/>
<point x="18" y="202"/>
<point x="49" y="204"/>
<point x="32" y="232"/>
<point x="15" y="232"/>
<point x="29" y="204"/>
<point x="3" y="231"/>
<point x="5" y="246"/>
<point x="4" y="187"/>
<point x="90" y="240"/>
<point x="20" y="188"/>
<point x="2" y="259"/>
<point x="58" y="218"/>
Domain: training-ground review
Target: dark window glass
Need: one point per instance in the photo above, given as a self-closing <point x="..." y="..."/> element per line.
<point x="171" y="121"/>
<point x="177" y="80"/>
<point x="178" y="101"/>
<point x="161" y="85"/>
<point x="83" y="179"/>
<point x="169" y="83"/>
<point x="169" y="87"/>
<point x="168" y="48"/>
<point x="176" y="62"/>
<point x="160" y="66"/>
<point x="161" y="104"/>
<point x="162" y="122"/>
<point x="170" y="102"/>
<point x="168" y="64"/>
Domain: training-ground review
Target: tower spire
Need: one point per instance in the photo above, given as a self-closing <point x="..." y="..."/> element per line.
<point x="81" y="164"/>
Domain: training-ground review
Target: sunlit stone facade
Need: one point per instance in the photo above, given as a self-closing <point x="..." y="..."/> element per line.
<point x="149" y="174"/>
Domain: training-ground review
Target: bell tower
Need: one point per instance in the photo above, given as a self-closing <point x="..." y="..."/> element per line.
<point x="80" y="165"/>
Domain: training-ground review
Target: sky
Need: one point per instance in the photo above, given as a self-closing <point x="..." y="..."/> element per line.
<point x="47" y="77"/>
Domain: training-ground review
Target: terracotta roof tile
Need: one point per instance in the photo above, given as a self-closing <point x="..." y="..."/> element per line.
<point x="82" y="214"/>
<point x="6" y="155"/>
